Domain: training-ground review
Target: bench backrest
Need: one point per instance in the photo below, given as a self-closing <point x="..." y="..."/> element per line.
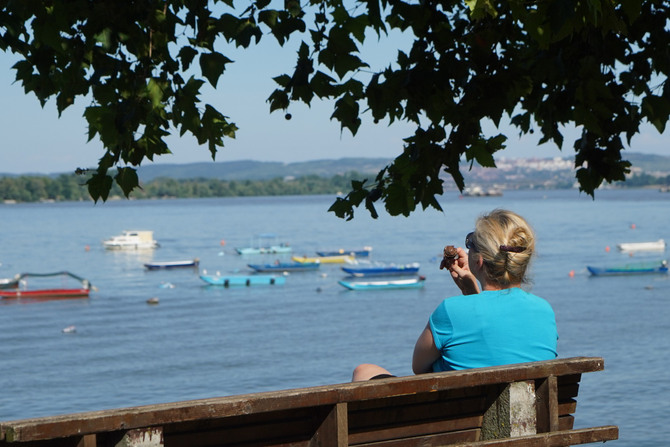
<point x="429" y="409"/>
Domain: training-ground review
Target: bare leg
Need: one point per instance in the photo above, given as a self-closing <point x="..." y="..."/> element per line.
<point x="366" y="371"/>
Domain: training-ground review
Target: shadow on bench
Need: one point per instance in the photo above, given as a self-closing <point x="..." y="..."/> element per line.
<point x="529" y="404"/>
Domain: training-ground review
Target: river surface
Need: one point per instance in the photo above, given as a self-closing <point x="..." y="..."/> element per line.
<point x="202" y="341"/>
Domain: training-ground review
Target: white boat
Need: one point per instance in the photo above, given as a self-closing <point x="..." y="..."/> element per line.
<point x="658" y="245"/>
<point x="131" y="240"/>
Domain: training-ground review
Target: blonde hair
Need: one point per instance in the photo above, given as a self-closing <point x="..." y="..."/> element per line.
<point x="506" y="242"/>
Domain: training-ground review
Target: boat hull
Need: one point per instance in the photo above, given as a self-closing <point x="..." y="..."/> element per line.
<point x="131" y="240"/>
<point x="242" y="280"/>
<point x="275" y="249"/>
<point x="172" y="265"/>
<point x="381" y="270"/>
<point x="630" y="269"/>
<point x="286" y="267"/>
<point x="414" y="283"/>
<point x="338" y="259"/>
<point x="365" y="252"/>
<point x="45" y="294"/>
<point x="658" y="245"/>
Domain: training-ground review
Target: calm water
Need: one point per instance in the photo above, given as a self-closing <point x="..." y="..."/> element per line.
<point x="202" y="342"/>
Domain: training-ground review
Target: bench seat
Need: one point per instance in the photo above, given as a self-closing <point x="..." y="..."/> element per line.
<point x="525" y="404"/>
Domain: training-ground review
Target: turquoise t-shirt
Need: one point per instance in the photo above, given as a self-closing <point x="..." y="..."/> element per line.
<point x="493" y="328"/>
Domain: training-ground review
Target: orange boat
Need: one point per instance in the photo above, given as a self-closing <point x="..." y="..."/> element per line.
<point x="21" y="289"/>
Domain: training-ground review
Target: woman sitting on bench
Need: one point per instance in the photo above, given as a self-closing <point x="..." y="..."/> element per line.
<point x="496" y="324"/>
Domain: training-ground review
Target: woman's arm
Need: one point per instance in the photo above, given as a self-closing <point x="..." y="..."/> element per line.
<point x="425" y="352"/>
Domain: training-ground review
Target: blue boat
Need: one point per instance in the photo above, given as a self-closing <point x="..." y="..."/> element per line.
<point x="381" y="269"/>
<point x="406" y="283"/>
<point x="242" y="280"/>
<point x="265" y="243"/>
<point x="286" y="267"/>
<point x="355" y="253"/>
<point x="633" y="268"/>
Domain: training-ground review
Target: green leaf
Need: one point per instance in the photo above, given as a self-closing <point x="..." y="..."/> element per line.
<point x="657" y="110"/>
<point x="212" y="66"/>
<point x="186" y="55"/>
<point x="99" y="186"/>
<point x="127" y="179"/>
<point x="155" y="93"/>
<point x="346" y="112"/>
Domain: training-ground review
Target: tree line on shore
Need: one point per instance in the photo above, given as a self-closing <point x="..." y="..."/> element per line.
<point x="71" y="187"/>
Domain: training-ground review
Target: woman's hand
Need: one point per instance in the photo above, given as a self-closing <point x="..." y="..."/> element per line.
<point x="462" y="276"/>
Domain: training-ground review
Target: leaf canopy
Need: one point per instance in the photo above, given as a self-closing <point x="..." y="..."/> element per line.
<point x="598" y="65"/>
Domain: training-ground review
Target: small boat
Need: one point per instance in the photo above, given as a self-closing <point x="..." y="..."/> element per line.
<point x="286" y="267"/>
<point x="381" y="269"/>
<point x="21" y="290"/>
<point x="633" y="268"/>
<point x="407" y="283"/>
<point x="242" y="280"/>
<point x="131" y="240"/>
<point x="172" y="264"/>
<point x="335" y="259"/>
<point x="658" y="245"/>
<point x="9" y="283"/>
<point x="265" y="244"/>
<point x="362" y="253"/>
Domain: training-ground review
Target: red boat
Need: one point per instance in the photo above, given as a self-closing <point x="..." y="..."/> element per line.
<point x="21" y="289"/>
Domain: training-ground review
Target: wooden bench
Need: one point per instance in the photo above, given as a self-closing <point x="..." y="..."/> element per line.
<point x="526" y="404"/>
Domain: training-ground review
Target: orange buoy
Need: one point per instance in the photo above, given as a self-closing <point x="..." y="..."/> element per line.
<point x="572" y="273"/>
<point x="87" y="248"/>
<point x="632" y="226"/>
<point x="607" y="249"/>
<point x="222" y="242"/>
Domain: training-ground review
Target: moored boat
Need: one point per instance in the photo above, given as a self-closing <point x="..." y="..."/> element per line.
<point x="360" y="253"/>
<point x="21" y="289"/>
<point x="286" y="267"/>
<point x="632" y="268"/>
<point x="406" y="283"/>
<point x="265" y="243"/>
<point x="381" y="269"/>
<point x="658" y="245"/>
<point x="9" y="283"/>
<point x="192" y="263"/>
<point x="131" y="240"/>
<point x="336" y="259"/>
<point x="242" y="280"/>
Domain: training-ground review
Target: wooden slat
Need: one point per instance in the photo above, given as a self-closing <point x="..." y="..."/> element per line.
<point x="555" y="439"/>
<point x="412" y="413"/>
<point x="437" y="396"/>
<point x="273" y="428"/>
<point x="437" y="440"/>
<point x="334" y="430"/>
<point x="566" y="422"/>
<point x="546" y="393"/>
<point x="430" y="428"/>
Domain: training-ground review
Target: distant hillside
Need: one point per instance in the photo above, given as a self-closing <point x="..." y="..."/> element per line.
<point x="260" y="170"/>
<point x="648" y="162"/>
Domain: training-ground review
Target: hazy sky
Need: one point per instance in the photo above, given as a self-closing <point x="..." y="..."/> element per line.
<point x="35" y="140"/>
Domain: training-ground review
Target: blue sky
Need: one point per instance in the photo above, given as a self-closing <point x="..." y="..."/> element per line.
<point x="35" y="140"/>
